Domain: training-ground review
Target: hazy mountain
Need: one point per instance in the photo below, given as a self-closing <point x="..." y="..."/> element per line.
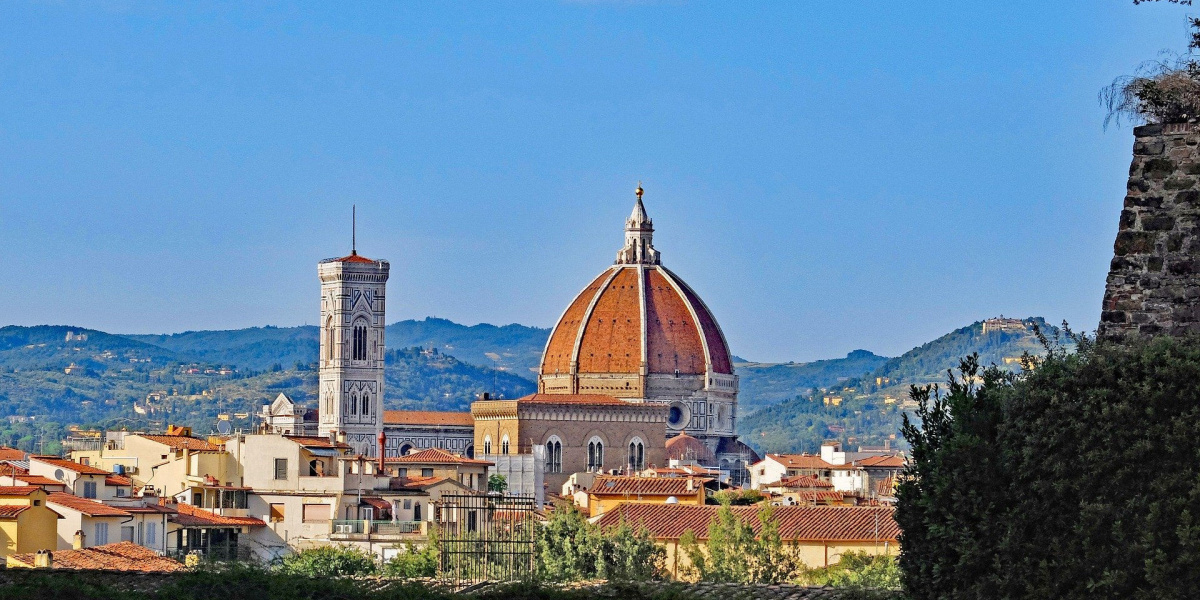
<point x="764" y="384"/>
<point x="867" y="409"/>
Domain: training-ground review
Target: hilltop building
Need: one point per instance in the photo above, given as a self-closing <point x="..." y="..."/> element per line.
<point x="353" y="290"/>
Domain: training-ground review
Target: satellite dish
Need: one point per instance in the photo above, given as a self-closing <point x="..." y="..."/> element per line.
<point x="59" y="475"/>
<point x="672" y="500"/>
<point x="224" y="428"/>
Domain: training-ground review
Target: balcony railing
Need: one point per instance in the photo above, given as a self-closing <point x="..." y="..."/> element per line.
<point x="361" y="528"/>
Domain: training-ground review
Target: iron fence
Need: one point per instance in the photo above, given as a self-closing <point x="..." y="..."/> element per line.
<point x="486" y="537"/>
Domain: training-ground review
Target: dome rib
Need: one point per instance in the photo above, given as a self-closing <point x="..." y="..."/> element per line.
<point x="710" y="331"/>
<point x="552" y="362"/>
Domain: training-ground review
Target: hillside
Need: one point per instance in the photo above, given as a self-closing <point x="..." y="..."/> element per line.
<point x="765" y="384"/>
<point x="867" y="410"/>
<point x="114" y="377"/>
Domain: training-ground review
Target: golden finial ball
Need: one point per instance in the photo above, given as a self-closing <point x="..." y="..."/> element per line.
<point x="638" y="191"/>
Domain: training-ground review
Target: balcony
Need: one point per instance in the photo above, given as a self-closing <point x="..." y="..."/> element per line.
<point x="363" y="530"/>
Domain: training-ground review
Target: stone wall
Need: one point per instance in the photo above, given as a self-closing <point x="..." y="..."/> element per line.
<point x="1154" y="279"/>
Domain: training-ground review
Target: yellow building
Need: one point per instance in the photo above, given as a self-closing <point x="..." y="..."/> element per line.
<point x="607" y="492"/>
<point x="819" y="534"/>
<point x="26" y="523"/>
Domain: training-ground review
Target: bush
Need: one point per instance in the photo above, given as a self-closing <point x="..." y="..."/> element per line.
<point x="329" y="561"/>
<point x="733" y="554"/>
<point x="569" y="548"/>
<point x="857" y="570"/>
<point x="1163" y="91"/>
<point x="414" y="562"/>
<point x="1078" y="479"/>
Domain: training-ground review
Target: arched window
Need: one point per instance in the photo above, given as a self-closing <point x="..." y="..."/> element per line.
<point x="366" y="404"/>
<point x="504" y="444"/>
<point x="329" y="341"/>
<point x="637" y="454"/>
<point x="354" y="404"/>
<point x="487" y="445"/>
<point x="595" y="454"/>
<point x="470" y="453"/>
<point x="405" y="449"/>
<point x="360" y="340"/>
<point x="554" y="455"/>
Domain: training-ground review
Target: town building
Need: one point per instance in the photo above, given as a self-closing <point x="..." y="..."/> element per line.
<point x="819" y="534"/>
<point x="437" y="463"/>
<point x="284" y="417"/>
<point x="408" y="430"/>
<point x="606" y="492"/>
<point x="27" y="524"/>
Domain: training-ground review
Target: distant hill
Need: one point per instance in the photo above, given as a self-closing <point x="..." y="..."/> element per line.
<point x="764" y="384"/>
<point x="513" y="348"/>
<point x="867" y="409"/>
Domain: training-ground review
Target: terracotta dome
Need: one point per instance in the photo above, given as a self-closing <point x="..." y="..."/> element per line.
<point x="637" y="331"/>
<point x="635" y="315"/>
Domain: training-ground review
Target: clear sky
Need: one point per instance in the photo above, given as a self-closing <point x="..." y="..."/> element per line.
<point x="827" y="175"/>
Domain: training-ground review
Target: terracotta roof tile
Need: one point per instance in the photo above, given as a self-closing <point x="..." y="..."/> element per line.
<point x="569" y="399"/>
<point x="894" y="462"/>
<point x="803" y="482"/>
<point x="561" y="345"/>
<point x="672" y="339"/>
<point x="193" y="516"/>
<point x="10" y="511"/>
<point x="648" y="486"/>
<point x="122" y="556"/>
<point x="85" y="506"/>
<point x="118" y="480"/>
<point x="352" y="258"/>
<point x="428" y="417"/>
<point x="796" y="523"/>
<point x="415" y="483"/>
<point x="18" y="490"/>
<point x="38" y="480"/>
<point x="7" y="453"/>
<point x="183" y="442"/>
<point x="686" y="447"/>
<point x="435" y="456"/>
<point x="800" y="461"/>
<point x="316" y="441"/>
<point x="63" y="463"/>
<point x="612" y="334"/>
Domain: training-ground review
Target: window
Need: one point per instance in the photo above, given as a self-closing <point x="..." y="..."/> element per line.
<point x="354" y="404"/>
<point x="407" y="504"/>
<point x="360" y="340"/>
<point x="504" y="444"/>
<point x="426" y="472"/>
<point x="89" y="489"/>
<point x="402" y="472"/>
<point x="487" y="445"/>
<point x="127" y="533"/>
<point x="637" y="454"/>
<point x="554" y="455"/>
<point x="151" y="533"/>
<point x="329" y="340"/>
<point x="595" y="454"/>
<point x="416" y="511"/>
<point x="121" y="492"/>
<point x="366" y="404"/>
<point x="101" y="536"/>
<point x="37" y="502"/>
<point x="276" y="515"/>
<point x="280" y="469"/>
<point x="316" y="513"/>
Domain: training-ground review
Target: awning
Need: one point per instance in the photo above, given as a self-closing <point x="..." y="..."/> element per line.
<point x="331" y="452"/>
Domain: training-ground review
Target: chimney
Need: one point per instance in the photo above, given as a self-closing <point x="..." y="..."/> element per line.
<point x="77" y="543"/>
<point x="341" y="437"/>
<point x="382" y="445"/>
<point x="44" y="559"/>
<point x="691" y="485"/>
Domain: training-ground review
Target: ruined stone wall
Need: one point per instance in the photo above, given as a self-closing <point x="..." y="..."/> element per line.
<point x="1154" y="279"/>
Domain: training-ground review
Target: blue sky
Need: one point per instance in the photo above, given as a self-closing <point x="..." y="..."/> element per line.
<point x="828" y="176"/>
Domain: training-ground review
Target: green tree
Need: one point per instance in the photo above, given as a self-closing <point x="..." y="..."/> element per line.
<point x="414" y="561"/>
<point x="497" y="483"/>
<point x="1077" y="479"/>
<point x="735" y="554"/>
<point x="569" y="548"/>
<point x="329" y="561"/>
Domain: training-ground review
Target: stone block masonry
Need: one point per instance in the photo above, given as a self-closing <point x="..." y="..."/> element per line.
<point x="1154" y="279"/>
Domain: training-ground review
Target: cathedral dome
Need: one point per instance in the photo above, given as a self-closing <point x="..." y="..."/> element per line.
<point x="635" y="324"/>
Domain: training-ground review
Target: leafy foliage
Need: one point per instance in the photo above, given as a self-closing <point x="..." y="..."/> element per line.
<point x="329" y="561"/>
<point x="497" y="483"/>
<point x="569" y="548"/>
<point x="734" y="554"/>
<point x="415" y="562"/>
<point x="1077" y="479"/>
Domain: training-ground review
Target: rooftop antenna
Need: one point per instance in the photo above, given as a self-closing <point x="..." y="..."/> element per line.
<point x="353" y="230"/>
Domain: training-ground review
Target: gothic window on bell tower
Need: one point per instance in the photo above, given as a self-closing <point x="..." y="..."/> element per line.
<point x="354" y="404"/>
<point x="360" y="340"/>
<point x="366" y="404"/>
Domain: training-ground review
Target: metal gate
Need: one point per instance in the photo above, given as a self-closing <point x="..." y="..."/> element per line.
<point x="486" y="537"/>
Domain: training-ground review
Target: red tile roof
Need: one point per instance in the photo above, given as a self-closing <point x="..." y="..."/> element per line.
<point x="183" y="442"/>
<point x="569" y="399"/>
<point x="7" y="453"/>
<point x="122" y="556"/>
<point x="88" y="507"/>
<point x="796" y="523"/>
<point x="435" y="456"/>
<point x="63" y="463"/>
<point x="18" y="490"/>
<point x="316" y="441"/>
<point x="895" y="462"/>
<point x="10" y="511"/>
<point x="428" y="417"/>
<point x="38" y="480"/>
<point x="646" y="486"/>
<point x="800" y="461"/>
<point x="415" y="483"/>
<point x="352" y="258"/>
<point x="820" y="497"/>
<point x="118" y="480"/>
<point x="801" y="482"/>
<point x="193" y="516"/>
